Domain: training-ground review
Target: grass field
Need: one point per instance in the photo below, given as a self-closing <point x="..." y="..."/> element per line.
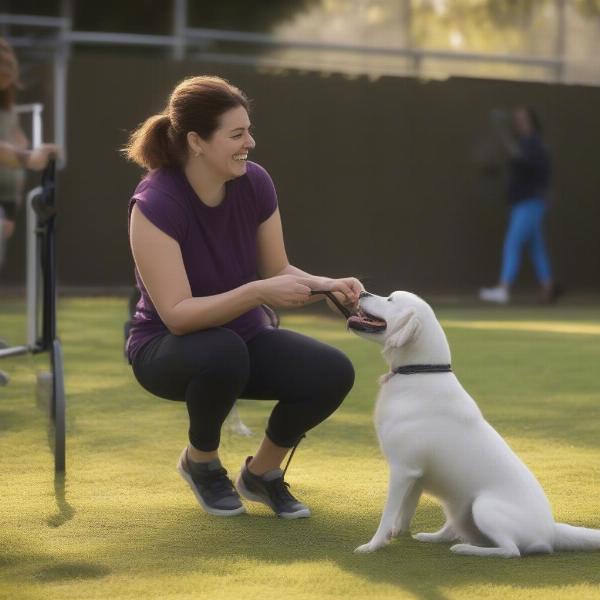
<point x="124" y="525"/>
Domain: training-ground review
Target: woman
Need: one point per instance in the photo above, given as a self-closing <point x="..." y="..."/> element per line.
<point x="207" y="242"/>
<point x="529" y="178"/>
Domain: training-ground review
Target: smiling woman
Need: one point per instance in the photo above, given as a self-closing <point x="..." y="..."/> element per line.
<point x="207" y="241"/>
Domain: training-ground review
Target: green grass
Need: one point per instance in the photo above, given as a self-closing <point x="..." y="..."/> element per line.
<point x="123" y="524"/>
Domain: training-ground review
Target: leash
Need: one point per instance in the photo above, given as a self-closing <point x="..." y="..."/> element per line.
<point x="332" y="297"/>
<point x="289" y="460"/>
<point x="346" y="314"/>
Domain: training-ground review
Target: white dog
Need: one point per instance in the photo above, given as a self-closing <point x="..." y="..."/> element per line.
<point x="436" y="440"/>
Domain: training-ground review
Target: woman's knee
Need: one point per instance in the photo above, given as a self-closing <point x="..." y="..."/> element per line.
<point x="321" y="396"/>
<point x="344" y="371"/>
<point x="334" y="378"/>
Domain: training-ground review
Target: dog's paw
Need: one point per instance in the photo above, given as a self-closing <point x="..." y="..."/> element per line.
<point x="464" y="549"/>
<point x="425" y="537"/>
<point x="365" y="549"/>
<point x="371" y="546"/>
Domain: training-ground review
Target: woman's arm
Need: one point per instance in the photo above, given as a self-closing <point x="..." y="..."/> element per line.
<point x="272" y="257"/>
<point x="160" y="265"/>
<point x="273" y="261"/>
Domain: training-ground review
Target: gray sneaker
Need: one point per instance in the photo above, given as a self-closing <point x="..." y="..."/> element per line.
<point x="211" y="486"/>
<point x="272" y="490"/>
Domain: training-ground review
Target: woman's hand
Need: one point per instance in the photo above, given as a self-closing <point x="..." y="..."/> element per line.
<point x="284" y="291"/>
<point x="347" y="290"/>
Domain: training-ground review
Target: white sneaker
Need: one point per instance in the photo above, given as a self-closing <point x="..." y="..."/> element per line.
<point x="499" y="295"/>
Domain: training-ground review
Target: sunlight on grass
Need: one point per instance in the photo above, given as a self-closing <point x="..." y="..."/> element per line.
<point x="543" y="326"/>
<point x="123" y="525"/>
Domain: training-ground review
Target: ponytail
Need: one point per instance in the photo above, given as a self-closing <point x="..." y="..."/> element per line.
<point x="196" y="104"/>
<point x="151" y="145"/>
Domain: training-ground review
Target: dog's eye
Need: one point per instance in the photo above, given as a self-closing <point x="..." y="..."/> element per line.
<point x="390" y="299"/>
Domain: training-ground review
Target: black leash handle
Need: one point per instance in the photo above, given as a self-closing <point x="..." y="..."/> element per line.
<point x="332" y="297"/>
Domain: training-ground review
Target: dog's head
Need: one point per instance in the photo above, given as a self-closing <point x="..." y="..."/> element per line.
<point x="406" y="327"/>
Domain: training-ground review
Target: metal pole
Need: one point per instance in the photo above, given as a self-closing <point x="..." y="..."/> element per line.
<point x="561" y="32"/>
<point x="180" y="11"/>
<point x="60" y="104"/>
<point x="406" y="14"/>
<point x="32" y="274"/>
<point x="60" y="68"/>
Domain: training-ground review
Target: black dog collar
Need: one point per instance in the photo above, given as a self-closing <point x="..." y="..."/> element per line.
<point x="412" y="369"/>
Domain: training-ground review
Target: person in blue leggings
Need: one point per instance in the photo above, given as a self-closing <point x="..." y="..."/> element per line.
<point x="529" y="178"/>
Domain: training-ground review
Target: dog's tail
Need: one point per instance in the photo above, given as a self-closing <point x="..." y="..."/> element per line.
<point x="567" y="537"/>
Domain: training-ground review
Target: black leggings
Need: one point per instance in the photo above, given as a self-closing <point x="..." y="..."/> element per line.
<point x="212" y="368"/>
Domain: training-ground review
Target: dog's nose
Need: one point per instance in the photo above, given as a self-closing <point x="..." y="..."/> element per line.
<point x="364" y="294"/>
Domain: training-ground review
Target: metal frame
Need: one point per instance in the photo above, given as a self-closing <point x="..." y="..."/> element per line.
<point x="185" y="40"/>
<point x="31" y="221"/>
<point x="185" y="37"/>
<point x="41" y="262"/>
<point x="41" y="199"/>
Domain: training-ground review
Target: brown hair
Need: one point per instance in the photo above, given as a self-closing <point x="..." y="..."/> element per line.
<point x="9" y="71"/>
<point x="196" y="104"/>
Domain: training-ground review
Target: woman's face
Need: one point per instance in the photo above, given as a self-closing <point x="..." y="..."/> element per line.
<point x="227" y="150"/>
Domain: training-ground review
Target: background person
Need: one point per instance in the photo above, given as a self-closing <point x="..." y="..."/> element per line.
<point x="529" y="174"/>
<point x="14" y="155"/>
<point x="207" y="242"/>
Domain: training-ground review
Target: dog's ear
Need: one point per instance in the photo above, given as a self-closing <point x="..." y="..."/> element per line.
<point x="403" y="328"/>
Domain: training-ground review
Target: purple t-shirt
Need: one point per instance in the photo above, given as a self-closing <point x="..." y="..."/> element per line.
<point x="218" y="244"/>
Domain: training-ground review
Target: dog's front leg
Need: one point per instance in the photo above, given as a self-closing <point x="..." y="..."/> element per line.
<point x="409" y="507"/>
<point x="401" y="484"/>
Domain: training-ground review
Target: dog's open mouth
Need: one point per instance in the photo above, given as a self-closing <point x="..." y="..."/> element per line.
<point x="365" y="322"/>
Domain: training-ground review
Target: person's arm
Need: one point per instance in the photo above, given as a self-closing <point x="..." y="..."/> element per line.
<point x="12" y="157"/>
<point x="36" y="160"/>
<point x="501" y="124"/>
<point x="273" y="261"/>
<point x="532" y="155"/>
<point x="17" y="137"/>
<point x="160" y="265"/>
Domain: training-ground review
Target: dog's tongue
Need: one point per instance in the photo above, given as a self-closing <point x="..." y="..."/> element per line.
<point x="365" y="321"/>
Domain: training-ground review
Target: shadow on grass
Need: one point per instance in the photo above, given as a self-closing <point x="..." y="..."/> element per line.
<point x="65" y="512"/>
<point x="11" y="420"/>
<point x="71" y="570"/>
<point x="24" y="565"/>
<point x="193" y="540"/>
